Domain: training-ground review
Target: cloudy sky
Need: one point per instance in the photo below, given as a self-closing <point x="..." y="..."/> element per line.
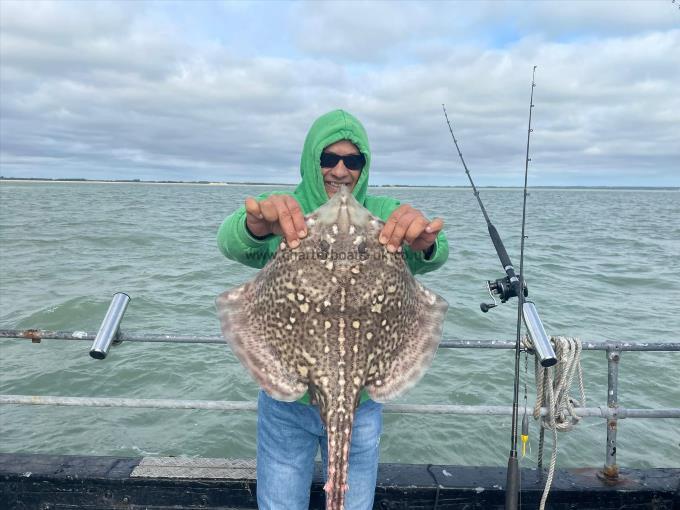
<point x="225" y="91"/>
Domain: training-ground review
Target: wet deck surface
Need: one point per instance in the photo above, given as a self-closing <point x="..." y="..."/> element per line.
<point x="51" y="482"/>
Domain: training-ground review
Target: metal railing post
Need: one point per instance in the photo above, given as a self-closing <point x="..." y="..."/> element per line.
<point x="611" y="468"/>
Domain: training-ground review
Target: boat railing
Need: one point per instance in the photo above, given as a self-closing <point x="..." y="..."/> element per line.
<point x="612" y="412"/>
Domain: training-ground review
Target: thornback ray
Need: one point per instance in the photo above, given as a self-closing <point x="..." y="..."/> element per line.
<point x="332" y="316"/>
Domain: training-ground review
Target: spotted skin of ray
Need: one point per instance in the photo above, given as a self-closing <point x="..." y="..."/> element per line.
<point x="336" y="314"/>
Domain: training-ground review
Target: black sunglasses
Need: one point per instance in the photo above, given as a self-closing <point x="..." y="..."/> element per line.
<point x="351" y="161"/>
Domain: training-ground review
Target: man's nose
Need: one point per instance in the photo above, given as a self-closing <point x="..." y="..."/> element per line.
<point x="340" y="169"/>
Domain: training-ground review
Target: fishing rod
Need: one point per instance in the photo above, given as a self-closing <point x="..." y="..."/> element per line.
<point x="514" y="285"/>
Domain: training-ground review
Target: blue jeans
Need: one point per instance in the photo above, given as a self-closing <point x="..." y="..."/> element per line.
<point x="288" y="437"/>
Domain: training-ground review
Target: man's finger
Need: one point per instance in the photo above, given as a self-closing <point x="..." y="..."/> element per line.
<point x="400" y="229"/>
<point x="285" y="219"/>
<point x="297" y="216"/>
<point x="427" y="239"/>
<point x="435" y="226"/>
<point x="417" y="227"/>
<point x="423" y="242"/>
<point x="391" y="223"/>
<point x="269" y="211"/>
<point x="253" y="207"/>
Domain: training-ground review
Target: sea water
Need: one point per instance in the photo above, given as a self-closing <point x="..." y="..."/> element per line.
<point x="600" y="264"/>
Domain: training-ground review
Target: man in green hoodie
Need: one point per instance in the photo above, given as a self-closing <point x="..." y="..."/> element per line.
<point x="335" y="153"/>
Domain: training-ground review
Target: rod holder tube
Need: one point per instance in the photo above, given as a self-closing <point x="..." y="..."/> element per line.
<point x="542" y="346"/>
<point x="108" y="331"/>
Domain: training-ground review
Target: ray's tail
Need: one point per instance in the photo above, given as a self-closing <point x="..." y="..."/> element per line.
<point x="339" y="428"/>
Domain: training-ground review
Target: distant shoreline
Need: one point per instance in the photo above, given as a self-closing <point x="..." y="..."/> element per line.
<point x="235" y="183"/>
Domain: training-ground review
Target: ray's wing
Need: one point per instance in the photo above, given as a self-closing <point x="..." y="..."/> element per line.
<point x="247" y="337"/>
<point x="256" y="322"/>
<point x="267" y="322"/>
<point x="407" y="333"/>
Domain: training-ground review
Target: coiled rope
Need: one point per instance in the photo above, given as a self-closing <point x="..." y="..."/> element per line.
<point x="553" y="386"/>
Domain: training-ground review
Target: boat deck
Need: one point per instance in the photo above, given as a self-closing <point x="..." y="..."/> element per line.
<point x="51" y="482"/>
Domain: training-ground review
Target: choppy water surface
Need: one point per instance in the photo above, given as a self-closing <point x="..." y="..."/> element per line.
<point x="601" y="265"/>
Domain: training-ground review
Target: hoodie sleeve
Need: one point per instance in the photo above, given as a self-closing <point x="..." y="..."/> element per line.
<point x="237" y="243"/>
<point x="417" y="262"/>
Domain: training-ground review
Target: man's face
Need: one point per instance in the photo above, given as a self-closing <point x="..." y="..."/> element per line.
<point x="339" y="174"/>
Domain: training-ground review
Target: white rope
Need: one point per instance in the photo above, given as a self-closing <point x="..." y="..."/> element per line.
<point x="552" y="391"/>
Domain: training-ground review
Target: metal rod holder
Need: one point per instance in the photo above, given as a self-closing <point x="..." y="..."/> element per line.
<point x="541" y="342"/>
<point x="108" y="331"/>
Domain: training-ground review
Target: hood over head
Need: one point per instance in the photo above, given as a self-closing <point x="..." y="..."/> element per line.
<point x="326" y="130"/>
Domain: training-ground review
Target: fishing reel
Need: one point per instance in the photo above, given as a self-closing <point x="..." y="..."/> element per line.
<point x="503" y="289"/>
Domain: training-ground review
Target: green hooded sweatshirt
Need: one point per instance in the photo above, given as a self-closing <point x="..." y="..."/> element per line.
<point x="237" y="243"/>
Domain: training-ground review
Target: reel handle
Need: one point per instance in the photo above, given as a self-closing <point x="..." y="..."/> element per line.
<point x="485" y="307"/>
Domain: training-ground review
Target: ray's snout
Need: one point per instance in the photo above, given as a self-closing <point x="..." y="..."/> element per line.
<point x="344" y="212"/>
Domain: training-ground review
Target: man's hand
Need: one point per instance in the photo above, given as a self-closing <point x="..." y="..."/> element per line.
<point x="276" y="214"/>
<point x="410" y="226"/>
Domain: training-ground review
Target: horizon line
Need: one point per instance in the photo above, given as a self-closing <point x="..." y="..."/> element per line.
<point x="261" y="183"/>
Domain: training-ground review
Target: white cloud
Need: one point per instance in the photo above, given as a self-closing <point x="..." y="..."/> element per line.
<point x="108" y="90"/>
<point x="354" y="31"/>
